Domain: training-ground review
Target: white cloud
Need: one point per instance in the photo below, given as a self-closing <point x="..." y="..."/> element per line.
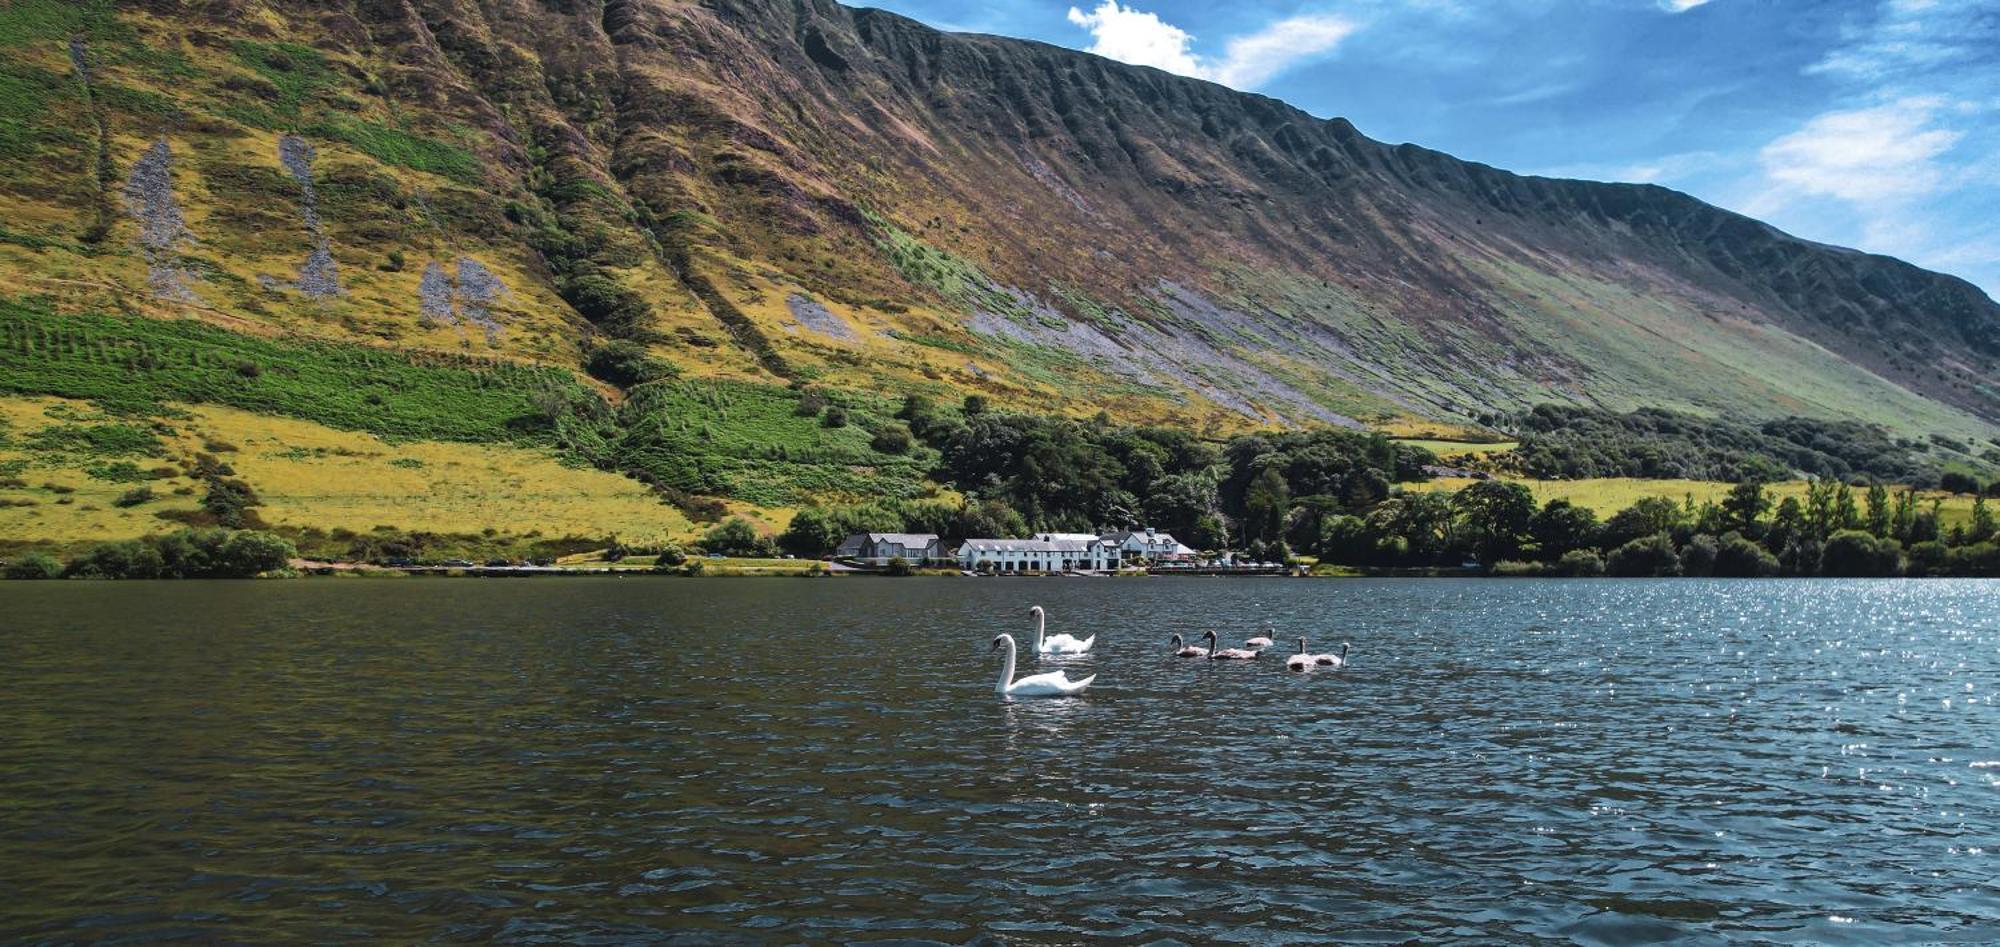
<point x="1868" y="156"/>
<point x="1135" y="36"/>
<point x="1140" y="38"/>
<point x="1680" y="6"/>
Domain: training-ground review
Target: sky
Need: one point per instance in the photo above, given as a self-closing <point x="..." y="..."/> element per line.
<point x="1864" y="123"/>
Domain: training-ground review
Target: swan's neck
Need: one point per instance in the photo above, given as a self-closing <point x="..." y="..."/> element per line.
<point x="1041" y="619"/>
<point x="1211" y="646"/>
<point x="1302" y="646"/>
<point x="1006" y="669"/>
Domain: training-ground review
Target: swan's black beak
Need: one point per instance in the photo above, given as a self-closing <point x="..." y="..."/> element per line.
<point x="996" y="645"/>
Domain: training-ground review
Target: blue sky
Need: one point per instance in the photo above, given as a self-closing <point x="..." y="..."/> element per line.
<point x="1865" y="123"/>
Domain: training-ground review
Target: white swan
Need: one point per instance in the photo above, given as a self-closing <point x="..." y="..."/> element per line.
<point x="1301" y="661"/>
<point x="1057" y="644"/>
<point x="1335" y="660"/>
<point x="1184" y="650"/>
<point x="1052" y="684"/>
<point x="1261" y="641"/>
<point x="1226" y="654"/>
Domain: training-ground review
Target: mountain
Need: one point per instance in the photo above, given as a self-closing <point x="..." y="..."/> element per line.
<point x="801" y="193"/>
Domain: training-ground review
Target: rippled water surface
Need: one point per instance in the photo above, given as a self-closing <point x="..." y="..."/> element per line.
<point x="619" y="760"/>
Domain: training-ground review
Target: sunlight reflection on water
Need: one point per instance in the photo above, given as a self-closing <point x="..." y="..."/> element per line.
<point x="742" y="761"/>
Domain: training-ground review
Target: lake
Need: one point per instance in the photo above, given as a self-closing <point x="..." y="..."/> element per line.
<point x="755" y="761"/>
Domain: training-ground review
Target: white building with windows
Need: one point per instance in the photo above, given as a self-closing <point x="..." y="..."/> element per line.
<point x="1149" y="544"/>
<point x="1048" y="552"/>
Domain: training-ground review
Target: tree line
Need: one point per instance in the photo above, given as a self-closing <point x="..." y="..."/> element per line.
<point x="1834" y="530"/>
<point x="1560" y="441"/>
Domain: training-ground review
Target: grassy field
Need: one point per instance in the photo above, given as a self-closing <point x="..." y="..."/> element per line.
<point x="1608" y="496"/>
<point x="1454" y="448"/>
<point x="310" y="475"/>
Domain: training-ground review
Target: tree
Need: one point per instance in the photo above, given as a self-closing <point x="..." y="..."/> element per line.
<point x="229" y="503"/>
<point x="1493" y="517"/>
<point x="1645" y="557"/>
<point x="813" y="532"/>
<point x="1698" y="555"/>
<point x="33" y="566"/>
<point x="127" y="559"/>
<point x="1580" y="564"/>
<point x="1982" y="528"/>
<point x="734" y="537"/>
<point x="1345" y="540"/>
<point x="1745" y="506"/>
<point x="989" y="519"/>
<point x="1736" y="557"/>
<point x="1879" y="516"/>
<point x="1852" y="553"/>
<point x="1561" y="527"/>
<point x="1648" y="516"/>
<point x="252" y="553"/>
<point x="1266" y="505"/>
<point x="1957" y="482"/>
<point x="974" y="405"/>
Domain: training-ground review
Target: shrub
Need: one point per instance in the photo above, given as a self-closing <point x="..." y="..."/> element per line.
<point x="835" y="417"/>
<point x="128" y="559"/>
<point x="1698" y="556"/>
<point x="892" y="439"/>
<point x="33" y="566"/>
<point x="899" y="566"/>
<point x="1852" y="553"/>
<point x="136" y="496"/>
<point x="628" y="364"/>
<point x="671" y="556"/>
<point x="811" y="402"/>
<point x="735" y="537"/>
<point x="1645" y="557"/>
<point x="252" y="553"/>
<point x="1580" y="564"/>
<point x="1929" y="558"/>
<point x="1955" y="482"/>
<point x="1738" y="558"/>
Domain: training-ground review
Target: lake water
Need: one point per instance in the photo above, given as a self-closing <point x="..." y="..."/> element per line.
<point x="756" y="761"/>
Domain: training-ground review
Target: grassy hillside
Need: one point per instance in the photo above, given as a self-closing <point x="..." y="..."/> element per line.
<point x="67" y="465"/>
<point x="761" y="226"/>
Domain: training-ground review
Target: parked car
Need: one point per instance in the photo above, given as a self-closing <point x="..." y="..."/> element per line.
<point x="458" y="563"/>
<point x="498" y="564"/>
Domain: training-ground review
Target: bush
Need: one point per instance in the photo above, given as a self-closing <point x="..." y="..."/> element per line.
<point x="899" y="566"/>
<point x="33" y="566"/>
<point x="1698" y="556"/>
<point x="1738" y="558"/>
<point x="671" y="557"/>
<point x="811" y="402"/>
<point x="735" y="537"/>
<point x="1515" y="569"/>
<point x="1580" y="564"/>
<point x="1956" y="482"/>
<point x="137" y="496"/>
<point x="1645" y="557"/>
<point x="1929" y="558"/>
<point x="628" y="364"/>
<point x="251" y="553"/>
<point x="892" y="439"/>
<point x="128" y="559"/>
<point x="1852" y="553"/>
<point x="835" y="417"/>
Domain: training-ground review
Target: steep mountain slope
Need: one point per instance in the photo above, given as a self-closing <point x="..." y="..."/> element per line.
<point x="802" y="192"/>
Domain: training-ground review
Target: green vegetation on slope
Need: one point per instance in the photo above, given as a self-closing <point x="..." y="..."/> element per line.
<point x="144" y="363"/>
